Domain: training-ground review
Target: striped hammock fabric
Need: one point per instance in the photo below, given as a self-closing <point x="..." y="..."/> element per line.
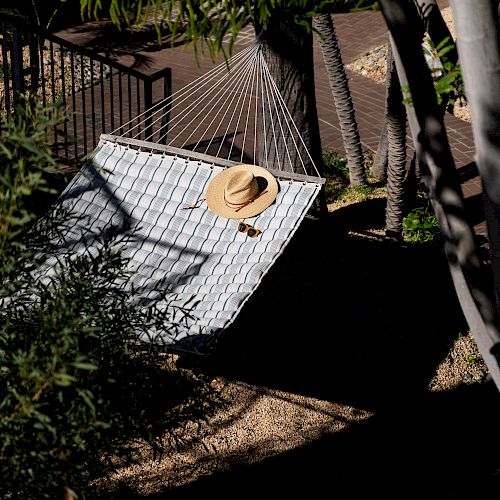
<point x="188" y="259"/>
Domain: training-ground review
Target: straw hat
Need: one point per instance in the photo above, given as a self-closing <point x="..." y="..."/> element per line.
<point x="241" y="191"/>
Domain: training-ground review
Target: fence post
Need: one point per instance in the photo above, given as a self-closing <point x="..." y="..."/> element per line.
<point x="167" y="93"/>
<point x="17" y="62"/>
<point x="34" y="43"/>
<point x="148" y="104"/>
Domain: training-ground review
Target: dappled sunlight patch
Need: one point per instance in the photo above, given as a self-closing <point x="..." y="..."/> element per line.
<point x="369" y="234"/>
<point x="353" y="195"/>
<point x="462" y="365"/>
<point x="258" y="424"/>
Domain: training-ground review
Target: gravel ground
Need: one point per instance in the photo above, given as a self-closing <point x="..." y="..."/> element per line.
<point x="263" y="424"/>
<point x="78" y="72"/>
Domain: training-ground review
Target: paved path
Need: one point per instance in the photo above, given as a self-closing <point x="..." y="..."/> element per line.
<point x="357" y="34"/>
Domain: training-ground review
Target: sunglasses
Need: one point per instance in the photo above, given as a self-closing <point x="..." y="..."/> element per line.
<point x="251" y="231"/>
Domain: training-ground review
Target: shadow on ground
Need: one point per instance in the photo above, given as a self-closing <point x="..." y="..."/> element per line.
<point x="346" y="318"/>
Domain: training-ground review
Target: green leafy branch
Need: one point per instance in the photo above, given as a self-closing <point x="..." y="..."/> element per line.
<point x="447" y="75"/>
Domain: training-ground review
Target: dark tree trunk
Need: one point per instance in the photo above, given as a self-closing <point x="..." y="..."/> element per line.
<point x="289" y="55"/>
<point x="434" y="24"/>
<point x="342" y="98"/>
<point x="288" y="51"/>
<point x="442" y="182"/>
<point x="478" y="36"/>
<point x="396" y="164"/>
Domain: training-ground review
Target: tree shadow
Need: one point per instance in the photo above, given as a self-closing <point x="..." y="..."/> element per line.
<point x="467" y="172"/>
<point x="342" y="302"/>
<point x="117" y="43"/>
<point x="437" y="446"/>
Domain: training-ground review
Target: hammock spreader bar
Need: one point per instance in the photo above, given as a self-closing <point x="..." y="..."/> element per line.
<point x="187" y="154"/>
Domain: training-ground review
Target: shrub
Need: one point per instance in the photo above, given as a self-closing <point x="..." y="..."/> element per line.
<point x="77" y="386"/>
<point x="421" y="226"/>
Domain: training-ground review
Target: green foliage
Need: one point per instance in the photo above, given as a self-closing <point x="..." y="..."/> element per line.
<point x="208" y="24"/>
<point x="27" y="163"/>
<point x="421" y="226"/>
<point x="336" y="173"/>
<point x="447" y="76"/>
<point x="472" y="358"/>
<point x="448" y="81"/>
<point x="77" y="386"/>
<point x="334" y="165"/>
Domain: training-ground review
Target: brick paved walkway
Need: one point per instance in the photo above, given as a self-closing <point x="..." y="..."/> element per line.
<point x="357" y="33"/>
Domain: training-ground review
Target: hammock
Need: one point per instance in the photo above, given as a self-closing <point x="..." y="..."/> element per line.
<point x="189" y="259"/>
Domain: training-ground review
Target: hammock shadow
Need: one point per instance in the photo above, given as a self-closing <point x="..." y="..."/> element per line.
<point x="342" y="312"/>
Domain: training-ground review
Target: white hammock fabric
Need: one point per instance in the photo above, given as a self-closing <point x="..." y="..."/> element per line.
<point x="189" y="260"/>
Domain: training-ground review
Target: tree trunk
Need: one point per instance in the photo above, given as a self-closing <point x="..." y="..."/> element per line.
<point x="441" y="180"/>
<point x="342" y="98"/>
<point x="288" y="52"/>
<point x="431" y="21"/>
<point x="478" y="38"/>
<point x="289" y="55"/>
<point x="435" y="25"/>
<point x="405" y="196"/>
<point x="379" y="168"/>
<point x="396" y="164"/>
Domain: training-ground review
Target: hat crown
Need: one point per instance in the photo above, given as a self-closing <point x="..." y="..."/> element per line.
<point x="241" y="187"/>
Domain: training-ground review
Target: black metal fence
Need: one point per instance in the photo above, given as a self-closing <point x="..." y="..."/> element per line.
<point x="99" y="94"/>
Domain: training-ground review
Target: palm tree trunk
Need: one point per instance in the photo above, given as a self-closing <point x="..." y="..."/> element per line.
<point x="379" y="167"/>
<point x="342" y="98"/>
<point x="288" y="51"/>
<point x="289" y="55"/>
<point x="442" y="183"/>
<point x="396" y="164"/>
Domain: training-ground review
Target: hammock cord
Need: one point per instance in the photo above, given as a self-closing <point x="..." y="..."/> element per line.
<point x="208" y="112"/>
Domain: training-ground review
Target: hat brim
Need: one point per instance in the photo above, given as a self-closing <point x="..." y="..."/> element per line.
<point x="215" y="193"/>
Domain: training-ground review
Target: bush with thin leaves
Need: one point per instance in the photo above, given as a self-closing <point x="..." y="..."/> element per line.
<point x="27" y="164"/>
<point x="77" y="387"/>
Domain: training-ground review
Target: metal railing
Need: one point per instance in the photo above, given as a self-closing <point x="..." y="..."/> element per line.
<point x="100" y="95"/>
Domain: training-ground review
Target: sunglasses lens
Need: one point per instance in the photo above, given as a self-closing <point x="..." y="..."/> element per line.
<point x="242" y="227"/>
<point x="252" y="232"/>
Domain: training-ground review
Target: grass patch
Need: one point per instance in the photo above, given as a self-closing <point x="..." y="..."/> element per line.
<point x="337" y="186"/>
